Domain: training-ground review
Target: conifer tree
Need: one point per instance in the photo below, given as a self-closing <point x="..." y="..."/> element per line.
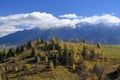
<point x="65" y="56"/>
<point x="51" y="66"/>
<point x="34" y="52"/>
<point x="39" y="41"/>
<point x="23" y="48"/>
<point x="94" y="54"/>
<point x="42" y="40"/>
<point x="99" y="46"/>
<point x="55" y="60"/>
<point x="85" y="53"/>
<point x="11" y="52"/>
<point x="53" y="43"/>
<point x="15" y="68"/>
<point x="4" y="53"/>
<point x="37" y="59"/>
<point x="60" y="54"/>
<point x="18" y="50"/>
<point x="46" y="58"/>
<point x="30" y="44"/>
<point x="47" y="45"/>
<point x="99" y="70"/>
<point x="25" y="69"/>
<point x="37" y="68"/>
<point x="73" y="67"/>
<point x="81" y="66"/>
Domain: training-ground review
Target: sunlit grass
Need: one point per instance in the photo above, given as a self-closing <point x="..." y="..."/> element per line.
<point x="112" y="51"/>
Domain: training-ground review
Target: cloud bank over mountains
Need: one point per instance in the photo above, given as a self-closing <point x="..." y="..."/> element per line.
<point x="12" y="23"/>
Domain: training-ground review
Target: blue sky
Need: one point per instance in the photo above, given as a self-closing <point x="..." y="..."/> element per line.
<point x="16" y="15"/>
<point x="59" y="7"/>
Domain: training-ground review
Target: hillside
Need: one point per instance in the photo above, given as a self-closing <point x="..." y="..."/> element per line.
<point x="58" y="60"/>
<point x="112" y="50"/>
<point x="91" y="33"/>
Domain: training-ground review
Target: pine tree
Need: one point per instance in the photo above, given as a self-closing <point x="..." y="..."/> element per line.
<point x="53" y="40"/>
<point x="1" y="57"/>
<point x="60" y="56"/>
<point x="73" y="67"/>
<point x="18" y="50"/>
<point x="46" y="58"/>
<point x="15" y="68"/>
<point x="77" y="40"/>
<point x="25" y="69"/>
<point x="55" y="60"/>
<point x="75" y="57"/>
<point x="23" y="48"/>
<point x="83" y="41"/>
<point x="37" y="59"/>
<point x="4" y="53"/>
<point x="30" y="44"/>
<point x="47" y="45"/>
<point x="39" y="41"/>
<point x="51" y="66"/>
<point x="65" y="56"/>
<point x="99" y="46"/>
<point x="86" y="53"/>
<point x="94" y="54"/>
<point x="37" y="68"/>
<point x="81" y="66"/>
<point x="99" y="70"/>
<point x="11" y="52"/>
<point x="42" y="40"/>
<point x="34" y="52"/>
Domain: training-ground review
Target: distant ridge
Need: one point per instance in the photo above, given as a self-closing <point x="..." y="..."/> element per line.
<point x="91" y="33"/>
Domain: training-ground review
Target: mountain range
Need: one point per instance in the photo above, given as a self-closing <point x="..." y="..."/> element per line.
<point x="92" y="33"/>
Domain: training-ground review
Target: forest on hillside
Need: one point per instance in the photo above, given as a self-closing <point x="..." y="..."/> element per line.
<point x="58" y="60"/>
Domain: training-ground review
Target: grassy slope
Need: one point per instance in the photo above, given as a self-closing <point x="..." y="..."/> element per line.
<point x="62" y="73"/>
<point x="112" y="51"/>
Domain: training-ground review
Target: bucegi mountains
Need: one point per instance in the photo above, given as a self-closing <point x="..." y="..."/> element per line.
<point x="104" y="29"/>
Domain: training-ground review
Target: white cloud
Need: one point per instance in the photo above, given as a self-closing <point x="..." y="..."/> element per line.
<point x="5" y="30"/>
<point x="45" y="20"/>
<point x="106" y="18"/>
<point x="69" y="16"/>
<point x="37" y="19"/>
<point x="31" y="20"/>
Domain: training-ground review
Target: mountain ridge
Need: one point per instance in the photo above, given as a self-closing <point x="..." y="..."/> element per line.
<point x="91" y="33"/>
